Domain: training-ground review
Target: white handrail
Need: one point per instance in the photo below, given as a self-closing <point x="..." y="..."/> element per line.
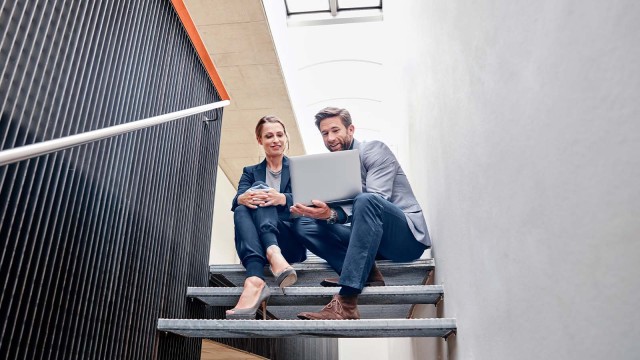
<point x="29" y="151"/>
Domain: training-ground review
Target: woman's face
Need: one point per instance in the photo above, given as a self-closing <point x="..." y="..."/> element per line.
<point x="273" y="139"/>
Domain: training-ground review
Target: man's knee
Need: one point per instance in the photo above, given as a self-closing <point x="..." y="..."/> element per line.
<point x="303" y="227"/>
<point x="364" y="199"/>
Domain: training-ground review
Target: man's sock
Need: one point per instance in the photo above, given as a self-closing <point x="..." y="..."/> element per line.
<point x="349" y="291"/>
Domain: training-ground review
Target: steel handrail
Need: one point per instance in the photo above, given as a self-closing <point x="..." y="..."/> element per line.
<point x="30" y="151"/>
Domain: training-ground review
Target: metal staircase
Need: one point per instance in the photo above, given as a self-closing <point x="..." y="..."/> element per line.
<point x="386" y="311"/>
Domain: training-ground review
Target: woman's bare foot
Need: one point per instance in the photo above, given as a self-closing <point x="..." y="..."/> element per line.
<point x="252" y="288"/>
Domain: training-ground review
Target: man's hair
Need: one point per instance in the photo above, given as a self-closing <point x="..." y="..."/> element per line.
<point x="330" y="112"/>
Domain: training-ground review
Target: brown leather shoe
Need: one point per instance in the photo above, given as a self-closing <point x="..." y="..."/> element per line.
<point x="340" y="308"/>
<point x="375" y="279"/>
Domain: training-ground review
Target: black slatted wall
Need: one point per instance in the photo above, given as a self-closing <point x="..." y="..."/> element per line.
<point x="100" y="241"/>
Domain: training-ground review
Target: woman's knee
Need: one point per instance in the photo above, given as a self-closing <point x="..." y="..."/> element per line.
<point x="240" y="209"/>
<point x="241" y="213"/>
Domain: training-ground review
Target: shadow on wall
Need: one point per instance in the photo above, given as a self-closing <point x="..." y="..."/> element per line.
<point x="434" y="348"/>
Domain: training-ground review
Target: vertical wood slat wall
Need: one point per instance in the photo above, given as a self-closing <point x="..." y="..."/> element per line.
<point x="100" y="241"/>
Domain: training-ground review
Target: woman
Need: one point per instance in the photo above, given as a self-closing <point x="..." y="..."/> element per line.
<point x="261" y="219"/>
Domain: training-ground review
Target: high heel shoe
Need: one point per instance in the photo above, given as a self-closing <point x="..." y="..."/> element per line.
<point x="250" y="313"/>
<point x="286" y="277"/>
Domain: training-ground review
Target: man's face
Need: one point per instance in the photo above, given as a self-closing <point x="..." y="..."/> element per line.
<point x="336" y="136"/>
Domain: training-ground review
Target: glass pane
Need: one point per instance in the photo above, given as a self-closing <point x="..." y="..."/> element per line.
<point x="295" y="6"/>
<point x="355" y="4"/>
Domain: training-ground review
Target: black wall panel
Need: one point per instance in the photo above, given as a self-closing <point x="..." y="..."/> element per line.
<point x="100" y="241"/>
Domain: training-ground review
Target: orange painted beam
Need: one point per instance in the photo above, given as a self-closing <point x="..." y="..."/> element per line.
<point x="198" y="44"/>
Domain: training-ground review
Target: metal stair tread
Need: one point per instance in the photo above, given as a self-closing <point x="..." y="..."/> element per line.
<point x="431" y="327"/>
<point x="377" y="295"/>
<point x="314" y="265"/>
<point x="311" y="273"/>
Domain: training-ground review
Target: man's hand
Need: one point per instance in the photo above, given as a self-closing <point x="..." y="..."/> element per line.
<point x="262" y="198"/>
<point x="319" y="211"/>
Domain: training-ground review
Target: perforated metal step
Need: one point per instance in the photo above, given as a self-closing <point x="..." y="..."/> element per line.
<point x="309" y="328"/>
<point x="377" y="295"/>
<point x="311" y="273"/>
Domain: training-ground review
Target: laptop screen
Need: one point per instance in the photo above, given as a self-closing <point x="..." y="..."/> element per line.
<point x="331" y="177"/>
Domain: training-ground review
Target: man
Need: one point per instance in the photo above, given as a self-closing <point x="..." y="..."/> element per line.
<point x="386" y="220"/>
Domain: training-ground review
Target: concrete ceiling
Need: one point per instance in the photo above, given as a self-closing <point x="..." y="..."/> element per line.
<point x="212" y="350"/>
<point x="237" y="36"/>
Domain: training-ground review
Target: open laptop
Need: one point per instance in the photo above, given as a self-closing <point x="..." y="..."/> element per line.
<point x="333" y="178"/>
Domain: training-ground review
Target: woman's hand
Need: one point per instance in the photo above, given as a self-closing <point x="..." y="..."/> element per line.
<point x="272" y="198"/>
<point x="262" y="198"/>
<point x="247" y="199"/>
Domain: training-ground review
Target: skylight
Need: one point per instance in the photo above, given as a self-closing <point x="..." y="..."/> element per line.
<point x="324" y="12"/>
<point x="307" y="6"/>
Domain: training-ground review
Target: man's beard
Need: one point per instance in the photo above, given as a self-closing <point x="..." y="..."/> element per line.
<point x="343" y="145"/>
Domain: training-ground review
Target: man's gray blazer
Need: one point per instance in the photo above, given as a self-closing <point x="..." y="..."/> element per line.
<point x="382" y="174"/>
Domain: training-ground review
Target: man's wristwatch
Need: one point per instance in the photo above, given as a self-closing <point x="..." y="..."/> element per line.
<point x="333" y="217"/>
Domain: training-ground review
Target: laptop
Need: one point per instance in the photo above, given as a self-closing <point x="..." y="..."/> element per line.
<point x="333" y="178"/>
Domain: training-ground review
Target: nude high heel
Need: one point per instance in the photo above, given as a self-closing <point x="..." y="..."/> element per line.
<point x="286" y="277"/>
<point x="250" y="313"/>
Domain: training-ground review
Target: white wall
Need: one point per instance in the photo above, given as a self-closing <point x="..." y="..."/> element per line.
<point x="343" y="65"/>
<point x="223" y="249"/>
<point x="377" y="349"/>
<point x="525" y="135"/>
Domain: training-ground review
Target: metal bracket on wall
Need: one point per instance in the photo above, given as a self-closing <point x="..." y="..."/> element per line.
<point x="453" y="332"/>
<point x="207" y="120"/>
